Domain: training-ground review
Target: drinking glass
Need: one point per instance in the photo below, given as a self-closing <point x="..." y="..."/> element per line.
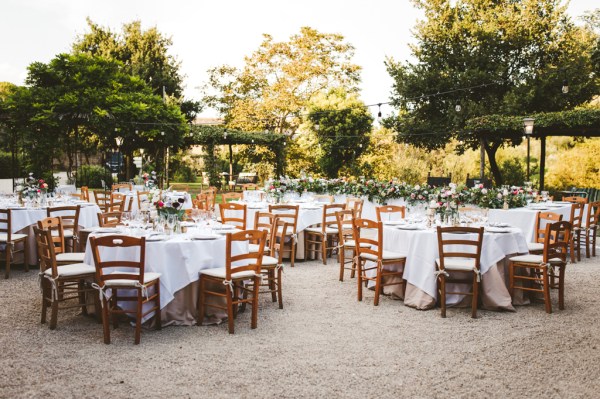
<point x="545" y="196"/>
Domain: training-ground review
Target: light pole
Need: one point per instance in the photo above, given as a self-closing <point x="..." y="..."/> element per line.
<point x="528" y="129"/>
<point x="119" y="141"/>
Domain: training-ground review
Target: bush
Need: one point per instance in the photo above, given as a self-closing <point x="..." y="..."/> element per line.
<point x="513" y="171"/>
<point x="6" y="166"/>
<point x="92" y="176"/>
<point x="184" y="174"/>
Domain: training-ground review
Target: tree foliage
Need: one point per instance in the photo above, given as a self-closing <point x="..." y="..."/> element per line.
<point x="493" y="57"/>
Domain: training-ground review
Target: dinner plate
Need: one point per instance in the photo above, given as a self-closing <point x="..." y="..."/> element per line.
<point x="107" y="230"/>
<point x="493" y="229"/>
<point x="205" y="237"/>
<point x="394" y="222"/>
<point x="408" y="227"/>
<point x="224" y="227"/>
<point x="311" y="208"/>
<point x="156" y="237"/>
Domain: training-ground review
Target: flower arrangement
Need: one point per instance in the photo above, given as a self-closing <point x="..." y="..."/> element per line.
<point x="33" y="187"/>
<point x="166" y="207"/>
<point x="149" y="179"/>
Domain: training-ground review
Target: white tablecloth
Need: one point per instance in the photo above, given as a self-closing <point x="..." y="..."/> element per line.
<point x="421" y="249"/>
<point x="171" y="195"/>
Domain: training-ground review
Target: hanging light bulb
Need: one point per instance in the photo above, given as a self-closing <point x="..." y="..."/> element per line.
<point x="565" y="87"/>
<point x="225" y="134"/>
<point x="379" y="113"/>
<point x="162" y="133"/>
<point x="458" y="107"/>
<point x="252" y="141"/>
<point x="360" y="145"/>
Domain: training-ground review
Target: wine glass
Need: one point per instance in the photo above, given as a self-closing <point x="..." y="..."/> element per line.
<point x="126" y="218"/>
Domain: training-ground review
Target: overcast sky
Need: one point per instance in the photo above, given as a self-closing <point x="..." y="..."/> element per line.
<point x="211" y="33"/>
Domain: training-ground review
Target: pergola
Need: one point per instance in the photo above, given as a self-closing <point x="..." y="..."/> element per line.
<point x="574" y="123"/>
<point x="212" y="136"/>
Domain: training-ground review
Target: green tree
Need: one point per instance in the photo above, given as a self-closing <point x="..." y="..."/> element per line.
<point x="344" y="124"/>
<point x="491" y="57"/>
<point x="144" y="53"/>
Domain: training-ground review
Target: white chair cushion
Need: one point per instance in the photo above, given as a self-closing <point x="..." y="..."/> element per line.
<point x="458" y="264"/>
<point x="73" y="257"/>
<point x="352" y="243"/>
<point x="14" y="237"/>
<point x="220" y="273"/>
<point x="328" y="230"/>
<point x="535" y="246"/>
<point x="269" y="261"/>
<point x="533" y="259"/>
<point x="148" y="277"/>
<point x="72" y="270"/>
<point x="386" y="255"/>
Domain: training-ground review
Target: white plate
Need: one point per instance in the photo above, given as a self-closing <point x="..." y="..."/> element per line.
<point x="107" y="230"/>
<point x="492" y="229"/>
<point x="311" y="208"/>
<point x="394" y="222"/>
<point x="224" y="227"/>
<point x="156" y="237"/>
<point x="408" y="227"/>
<point x="205" y="237"/>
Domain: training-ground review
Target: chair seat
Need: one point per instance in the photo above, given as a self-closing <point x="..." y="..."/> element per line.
<point x="458" y="264"/>
<point x="386" y="255"/>
<point x="269" y="261"/>
<point x="14" y="237"/>
<point x="535" y="246"/>
<point x="537" y="259"/>
<point x="352" y="243"/>
<point x="148" y="278"/>
<point x="328" y="230"/>
<point x="72" y="257"/>
<point x="219" y="272"/>
<point x="72" y="270"/>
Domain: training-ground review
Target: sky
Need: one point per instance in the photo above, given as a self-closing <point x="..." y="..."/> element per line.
<point x="211" y="33"/>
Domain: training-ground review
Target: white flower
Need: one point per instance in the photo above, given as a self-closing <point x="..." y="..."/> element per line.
<point x="417" y="187"/>
<point x="484" y="191"/>
<point x="452" y="185"/>
<point x="499" y="196"/>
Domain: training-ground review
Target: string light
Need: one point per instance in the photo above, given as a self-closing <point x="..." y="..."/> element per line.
<point x="379" y="113"/>
<point x="458" y="107"/>
<point x="565" y="87"/>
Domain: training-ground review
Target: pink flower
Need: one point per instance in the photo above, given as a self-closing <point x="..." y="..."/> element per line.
<point x="44" y="185"/>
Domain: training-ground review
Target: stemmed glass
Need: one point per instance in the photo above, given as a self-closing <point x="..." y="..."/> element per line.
<point x="126" y="218"/>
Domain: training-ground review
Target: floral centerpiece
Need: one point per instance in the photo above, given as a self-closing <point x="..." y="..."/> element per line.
<point x="34" y="187"/>
<point x="166" y="207"/>
<point x="276" y="189"/>
<point x="149" y="179"/>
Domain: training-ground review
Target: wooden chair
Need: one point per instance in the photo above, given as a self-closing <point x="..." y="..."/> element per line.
<point x="180" y="187"/>
<point x="142" y="197"/>
<point x="370" y="249"/>
<point x="459" y="267"/>
<point x="139" y="280"/>
<point x="355" y="204"/>
<point x="102" y="199"/>
<point x="233" y="277"/>
<point x="61" y="283"/>
<point x="438" y="181"/>
<point x="577" y="209"/>
<point x="289" y="214"/>
<point x="575" y="199"/>
<point x="116" y="187"/>
<point x="263" y="221"/>
<point x="83" y="195"/>
<point x="346" y="242"/>
<point x="201" y="202"/>
<point x="537" y="246"/>
<point x="543" y="267"/>
<point x="56" y="227"/>
<point x="9" y="241"/>
<point x="70" y="223"/>
<point x="272" y="264"/>
<point x="391" y="212"/>
<point x="591" y="227"/>
<point x="117" y="202"/>
<point x="226" y="197"/>
<point x="324" y="198"/>
<point x="109" y="219"/>
<point x="319" y="237"/>
<point x="230" y="214"/>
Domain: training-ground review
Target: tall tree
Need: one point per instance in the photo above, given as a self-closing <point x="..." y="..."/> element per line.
<point x="491" y="57"/>
<point x="342" y="124"/>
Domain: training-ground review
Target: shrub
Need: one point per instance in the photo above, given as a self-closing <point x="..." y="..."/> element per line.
<point x="92" y="176"/>
<point x="184" y="174"/>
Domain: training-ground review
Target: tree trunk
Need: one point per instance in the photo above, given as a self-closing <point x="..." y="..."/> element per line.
<point x="491" y="149"/>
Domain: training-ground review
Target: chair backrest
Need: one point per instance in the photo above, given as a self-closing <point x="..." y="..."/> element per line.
<point x="134" y="244"/>
<point x="329" y="215"/>
<point x="211" y="197"/>
<point x="345" y="224"/>
<point x="279" y="231"/>
<point x="117" y="202"/>
<point x="55" y="225"/>
<point x="142" y="196"/>
<point x="248" y="261"/>
<point x="109" y="219"/>
<point x="557" y="248"/>
<point x="45" y="250"/>
<point x="356" y="204"/>
<point x="264" y="221"/>
<point x="180" y="187"/>
<point x="200" y="202"/>
<point x="470" y="247"/>
<point x="230" y="214"/>
<point x="477" y="181"/>
<point x="323" y="198"/>
<point x="288" y="213"/>
<point x="543" y="218"/>
<point x="85" y="193"/>
<point x="593" y="214"/>
<point x="391" y="212"/>
<point x="69" y="217"/>
<point x="102" y="199"/>
<point x="226" y="197"/>
<point x="6" y="223"/>
<point x="574" y="199"/>
<point x="119" y="186"/>
<point x="577" y="214"/>
<point x="366" y="243"/>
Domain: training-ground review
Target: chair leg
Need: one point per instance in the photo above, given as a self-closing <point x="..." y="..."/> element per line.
<point x="81" y="295"/>
<point x="474" y="302"/>
<point x="572" y="248"/>
<point x="442" y="285"/>
<point x="115" y="300"/>
<point x="561" y="288"/>
<point x="342" y="260"/>
<point x="272" y="285"/>
<point x="279" y="289"/>
<point x="254" y="322"/>
<point x="511" y="280"/>
<point x="25" y="257"/>
<point x="138" y="317"/>
<point x="53" y="314"/>
<point x="7" y="261"/>
<point x="293" y="251"/>
<point x="546" y="285"/>
<point x="587" y="243"/>
<point x="45" y="295"/>
<point x="378" y="286"/>
<point x="359" y="279"/>
<point x="200" y="302"/>
<point x="578" y="249"/>
<point x="105" y="320"/>
<point x="228" y="297"/>
<point x="157" y="314"/>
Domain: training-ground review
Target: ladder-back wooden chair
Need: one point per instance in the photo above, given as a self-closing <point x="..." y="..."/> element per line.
<point x="535" y="271"/>
<point x="10" y="242"/>
<point x="355" y="204"/>
<point x="591" y="227"/>
<point x="370" y="249"/>
<point x="109" y="219"/>
<point x="272" y="264"/>
<point x="289" y="214"/>
<point x="345" y="227"/>
<point x="227" y="197"/>
<point x="55" y="225"/>
<point x="117" y="203"/>
<point x="543" y="218"/>
<point x="116" y="187"/>
<point x="139" y="280"/>
<point x="142" y="198"/>
<point x="70" y="223"/>
<point x="263" y="221"/>
<point x="390" y="213"/>
<point x="238" y="269"/>
<point x="233" y="214"/>
<point x="459" y="265"/>
<point x="323" y="198"/>
<point x="61" y="283"/>
<point x="102" y="199"/>
<point x="322" y="237"/>
<point x="574" y="199"/>
<point x="576" y="219"/>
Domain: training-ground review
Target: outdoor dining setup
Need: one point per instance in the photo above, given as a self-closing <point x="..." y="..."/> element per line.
<point x="165" y="257"/>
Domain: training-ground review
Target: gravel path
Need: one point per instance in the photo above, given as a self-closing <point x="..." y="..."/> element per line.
<point x="323" y="344"/>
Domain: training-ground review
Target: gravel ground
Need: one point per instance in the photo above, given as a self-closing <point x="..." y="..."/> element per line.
<point x="324" y="343"/>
